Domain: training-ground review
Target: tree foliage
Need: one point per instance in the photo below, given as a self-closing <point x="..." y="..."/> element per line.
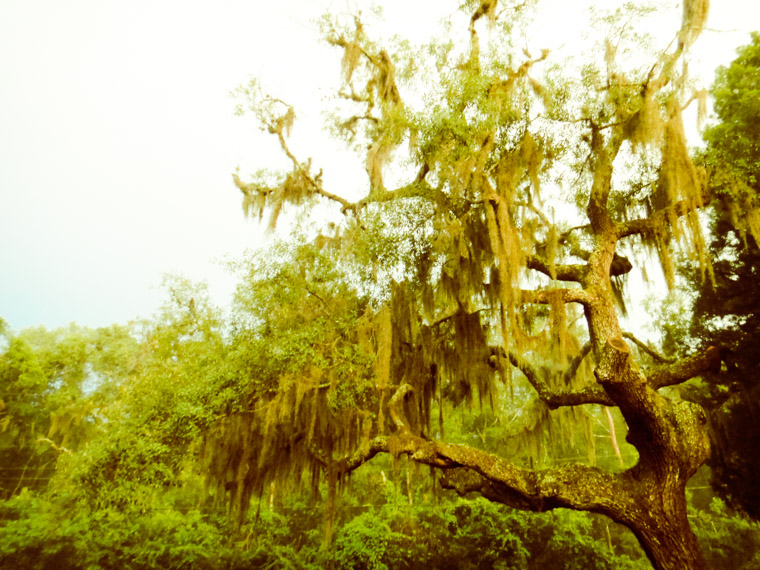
<point x="726" y="311"/>
<point x="53" y="388"/>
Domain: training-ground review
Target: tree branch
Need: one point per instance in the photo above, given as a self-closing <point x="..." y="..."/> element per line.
<point x="547" y="296"/>
<point x="686" y="369"/>
<point x="317" y="187"/>
<point x="644" y="226"/>
<point x="575" y="272"/>
<point x="574" y="486"/>
<point x="397" y="414"/>
<point x="576" y="362"/>
<point x="419" y="188"/>
<point x="642" y="407"/>
<point x="558" y="271"/>
<point x="468" y="469"/>
<point x="648" y="349"/>
<point x="553" y="398"/>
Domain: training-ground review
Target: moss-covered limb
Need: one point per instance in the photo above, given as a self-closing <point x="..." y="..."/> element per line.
<point x="558" y="271"/>
<point x="376" y="445"/>
<point x="315" y="183"/>
<point x="647" y="226"/>
<point x="571" y="486"/>
<point x="620" y="265"/>
<point x="592" y="394"/>
<point x="627" y="386"/>
<point x="382" y="70"/>
<point x="656" y="356"/>
<point x="468" y="469"/>
<point x="416" y="189"/>
<point x="549" y="296"/>
<point x="575" y="272"/>
<point x="659" y="522"/>
<point x="301" y="171"/>
<point x="465" y="481"/>
<point x="685" y="369"/>
<point x="352" y="47"/>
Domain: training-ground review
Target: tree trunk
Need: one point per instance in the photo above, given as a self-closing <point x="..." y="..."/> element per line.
<point x="669" y="542"/>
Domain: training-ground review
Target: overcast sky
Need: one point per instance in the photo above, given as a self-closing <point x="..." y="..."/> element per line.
<point x="117" y="137"/>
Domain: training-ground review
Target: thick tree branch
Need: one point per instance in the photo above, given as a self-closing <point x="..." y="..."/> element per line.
<point x="673" y="374"/>
<point x="576" y="272"/>
<point x="644" y="410"/>
<point x="557" y="271"/>
<point x="469" y="469"/>
<point x="547" y="296"/>
<point x="686" y="369"/>
<point x="620" y="265"/>
<point x="416" y="189"/>
<point x="645" y="226"/>
<point x="574" y="486"/>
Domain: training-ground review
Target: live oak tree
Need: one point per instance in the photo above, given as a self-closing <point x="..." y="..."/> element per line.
<point x="508" y="196"/>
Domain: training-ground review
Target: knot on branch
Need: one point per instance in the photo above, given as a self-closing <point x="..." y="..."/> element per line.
<point x="620" y="265"/>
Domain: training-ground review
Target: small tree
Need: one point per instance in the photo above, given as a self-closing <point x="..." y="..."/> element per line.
<point x="532" y="187"/>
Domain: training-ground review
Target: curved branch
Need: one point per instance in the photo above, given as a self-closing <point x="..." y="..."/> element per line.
<point x="620" y="265"/>
<point x="394" y="407"/>
<point x="316" y="186"/>
<point x="644" y="410"/>
<point x="468" y="469"/>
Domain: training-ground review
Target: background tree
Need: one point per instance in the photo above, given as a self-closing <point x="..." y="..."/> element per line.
<point x="727" y="311"/>
<point x="530" y="189"/>
<point x="53" y="388"/>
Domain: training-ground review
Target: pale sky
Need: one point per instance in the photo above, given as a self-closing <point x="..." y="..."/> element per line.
<point x="118" y="140"/>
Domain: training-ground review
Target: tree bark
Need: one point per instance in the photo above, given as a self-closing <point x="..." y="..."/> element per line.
<point x="664" y="532"/>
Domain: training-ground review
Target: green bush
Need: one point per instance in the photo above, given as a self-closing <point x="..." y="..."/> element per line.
<point x="38" y="534"/>
<point x="728" y="541"/>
